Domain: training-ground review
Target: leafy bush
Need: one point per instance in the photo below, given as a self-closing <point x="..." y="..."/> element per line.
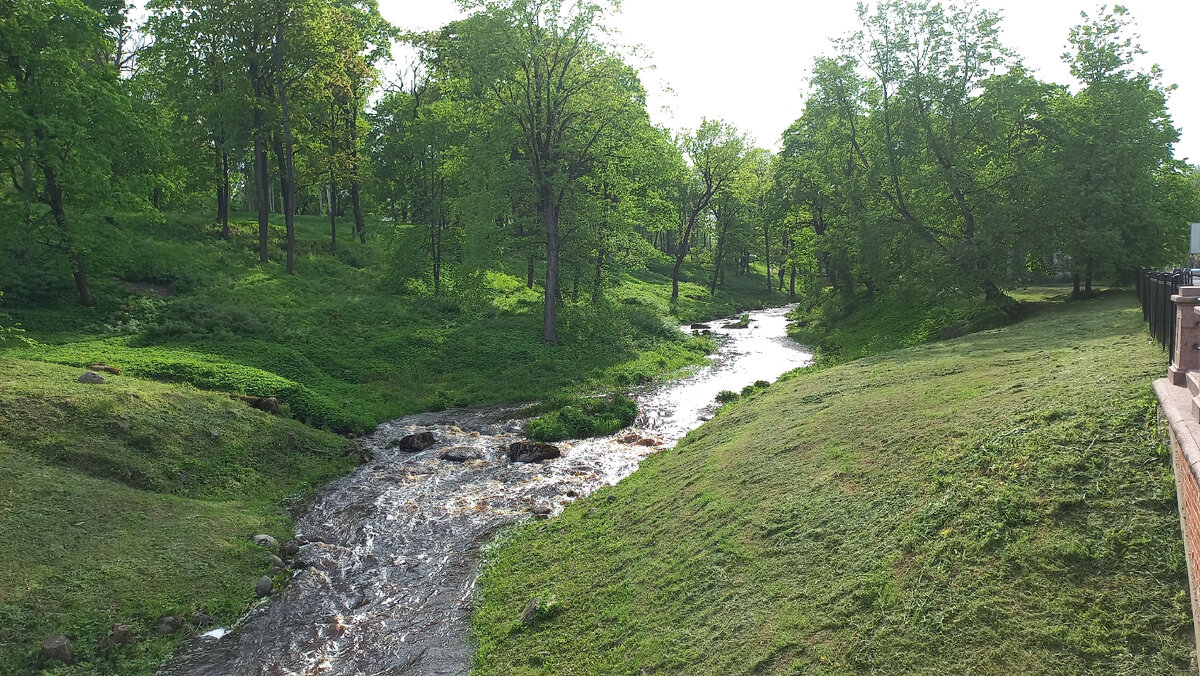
<point x="584" y="418"/>
<point x="726" y="396"/>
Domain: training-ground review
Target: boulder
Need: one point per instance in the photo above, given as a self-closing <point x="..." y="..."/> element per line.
<point x="530" y="611"/>
<point x="263" y="540"/>
<point x="58" y="647"/>
<point x="701" y="326"/>
<point x="122" y="634"/>
<point x="168" y="624"/>
<point x="648" y="442"/>
<point x="413" y="443"/>
<point x="541" y="510"/>
<point x="204" y="620"/>
<point x="92" y="378"/>
<point x="264" y="586"/>
<point x="275" y="561"/>
<point x="631" y="438"/>
<point x="290" y="548"/>
<point x="106" y="368"/>
<point x="532" y="451"/>
<point x="461" y="454"/>
<point x="268" y="404"/>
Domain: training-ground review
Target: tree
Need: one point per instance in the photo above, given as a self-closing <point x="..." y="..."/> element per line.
<point x="715" y="152"/>
<point x="1113" y="145"/>
<point x="64" y="119"/>
<point x="542" y="67"/>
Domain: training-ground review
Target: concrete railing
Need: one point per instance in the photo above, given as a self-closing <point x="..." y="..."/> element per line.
<point x="1179" y="398"/>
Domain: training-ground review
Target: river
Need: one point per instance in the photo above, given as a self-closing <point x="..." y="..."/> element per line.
<point x="385" y="583"/>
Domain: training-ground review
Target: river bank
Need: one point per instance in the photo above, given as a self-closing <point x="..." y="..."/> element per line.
<point x="993" y="504"/>
<point x="385" y="583"/>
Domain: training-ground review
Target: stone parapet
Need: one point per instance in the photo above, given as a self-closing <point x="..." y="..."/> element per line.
<point x="1187" y="335"/>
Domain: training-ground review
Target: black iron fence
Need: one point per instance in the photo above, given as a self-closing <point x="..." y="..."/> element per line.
<point x="1155" y="289"/>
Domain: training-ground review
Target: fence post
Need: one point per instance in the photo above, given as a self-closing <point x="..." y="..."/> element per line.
<point x="1186" y="343"/>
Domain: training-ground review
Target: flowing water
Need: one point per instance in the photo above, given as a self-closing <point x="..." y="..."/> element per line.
<point x="384" y="584"/>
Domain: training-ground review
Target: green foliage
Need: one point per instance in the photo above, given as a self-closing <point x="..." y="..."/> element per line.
<point x="205" y="372"/>
<point x="131" y="500"/>
<point x="996" y="504"/>
<point x="727" y="396"/>
<point x="10" y="333"/>
<point x="583" y="418"/>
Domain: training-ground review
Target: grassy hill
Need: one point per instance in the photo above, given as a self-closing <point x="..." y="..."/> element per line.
<point x="135" y="499"/>
<point x="354" y="338"/>
<point x="996" y="504"/>
<point x="131" y="500"/>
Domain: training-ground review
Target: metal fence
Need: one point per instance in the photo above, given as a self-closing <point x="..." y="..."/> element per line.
<point x="1155" y="289"/>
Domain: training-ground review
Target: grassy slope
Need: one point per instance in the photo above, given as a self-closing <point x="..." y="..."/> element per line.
<point x="131" y="500"/>
<point x="96" y="523"/>
<point x="994" y="504"/>
<point x="340" y="341"/>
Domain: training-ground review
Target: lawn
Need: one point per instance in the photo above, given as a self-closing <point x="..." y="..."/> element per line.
<point x="999" y="503"/>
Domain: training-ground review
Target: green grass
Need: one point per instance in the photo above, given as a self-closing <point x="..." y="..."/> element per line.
<point x="135" y="499"/>
<point x="131" y="500"/>
<point x="353" y="339"/>
<point x="900" y="319"/>
<point x="999" y="503"/>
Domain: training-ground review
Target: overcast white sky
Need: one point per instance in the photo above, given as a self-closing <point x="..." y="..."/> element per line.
<point x="747" y="61"/>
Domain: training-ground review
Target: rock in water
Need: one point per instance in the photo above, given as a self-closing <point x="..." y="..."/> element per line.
<point x="122" y="634"/>
<point x="530" y="611"/>
<point x="92" y="378"/>
<point x="542" y="510"/>
<point x="58" y="647"/>
<point x="168" y="624"/>
<point x="700" y="326"/>
<point x="413" y="443"/>
<point x="263" y="588"/>
<point x="461" y="454"/>
<point x="531" y="451"/>
<point x="263" y="540"/>
<point x="290" y="548"/>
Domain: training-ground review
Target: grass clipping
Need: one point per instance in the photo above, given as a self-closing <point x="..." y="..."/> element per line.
<point x="995" y="504"/>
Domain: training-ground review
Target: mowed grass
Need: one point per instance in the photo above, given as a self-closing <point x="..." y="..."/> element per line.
<point x="999" y="503"/>
<point x="131" y="500"/>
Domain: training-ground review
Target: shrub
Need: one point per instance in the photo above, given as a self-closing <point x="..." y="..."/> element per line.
<point x="726" y="396"/>
<point x="583" y="418"/>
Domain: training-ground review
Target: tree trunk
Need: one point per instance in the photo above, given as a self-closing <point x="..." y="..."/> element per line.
<point x="332" y="191"/>
<point x="331" y="200"/>
<point x="792" y="284"/>
<point x="223" y="193"/>
<point x="1075" y="278"/>
<point x="550" y="316"/>
<point x="529" y="273"/>
<point x="288" y="169"/>
<point x="712" y="288"/>
<point x="262" y="182"/>
<point x="53" y="198"/>
<point x="767" y="246"/>
<point x="355" y="199"/>
<point x="598" y="280"/>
